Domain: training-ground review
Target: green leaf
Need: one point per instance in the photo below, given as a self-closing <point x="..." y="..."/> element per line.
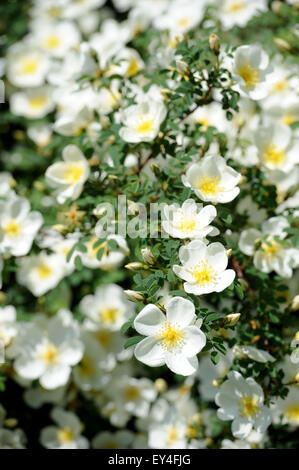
<point x="132" y="341"/>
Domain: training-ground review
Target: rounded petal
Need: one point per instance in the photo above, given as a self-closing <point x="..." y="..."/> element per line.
<point x="149" y="320"/>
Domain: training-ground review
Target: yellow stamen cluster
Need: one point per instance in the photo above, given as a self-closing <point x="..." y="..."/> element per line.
<point x="39" y="102"/>
<point x="109" y="315"/>
<point x="73" y="173"/>
<point x="50" y="354"/>
<point x="292" y="413"/>
<point x="65" y="435"/>
<point x="186" y="224"/>
<point x="145" y="126"/>
<point x="203" y="273"/>
<point x="209" y="185"/>
<point x="29" y="66"/>
<point x="131" y="393"/>
<point x="86" y="367"/>
<point x="52" y="41"/>
<point x="249" y="74"/>
<point x="171" y="336"/>
<point x="274" y="155"/>
<point x="44" y="271"/>
<point x="12" y="229"/>
<point x="248" y="406"/>
<point x="235" y="7"/>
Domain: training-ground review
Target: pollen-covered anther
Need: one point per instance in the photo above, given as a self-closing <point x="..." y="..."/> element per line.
<point x="171" y="336"/>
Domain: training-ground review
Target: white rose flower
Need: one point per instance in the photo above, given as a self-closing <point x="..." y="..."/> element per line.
<point x="48" y="349"/>
<point x="250" y="69"/>
<point x="33" y="103"/>
<point x="239" y="12"/>
<point x="270" y="255"/>
<point x="67" y="433"/>
<point x="213" y="180"/>
<point x="70" y="175"/>
<point x="142" y="121"/>
<point x="18" y="226"/>
<point x="286" y="411"/>
<point x="242" y="400"/>
<point x="189" y="221"/>
<point x="108" y="308"/>
<point x="55" y="38"/>
<point x="204" y="268"/>
<point x="276" y="149"/>
<point x="27" y="65"/>
<point x="174" y="339"/>
<point x="41" y="273"/>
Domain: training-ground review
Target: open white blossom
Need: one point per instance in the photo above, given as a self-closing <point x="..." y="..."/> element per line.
<point x="48" y="349"/>
<point x="142" y="121"/>
<point x="66" y="434"/>
<point x="268" y="254"/>
<point x="242" y="400"/>
<point x="18" y="226"/>
<point x="69" y="176"/>
<point x="250" y="69"/>
<point x="108" y="307"/>
<point x="40" y="273"/>
<point x="204" y="268"/>
<point x="213" y="180"/>
<point x="173" y="339"/>
<point x="27" y="66"/>
<point x="189" y="221"/>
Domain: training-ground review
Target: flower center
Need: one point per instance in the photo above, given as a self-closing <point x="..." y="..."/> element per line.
<point x="186" y="224"/>
<point x="86" y="367"/>
<point x="29" y="66"/>
<point x="44" y="271"/>
<point x="204" y="121"/>
<point x="249" y="75"/>
<point x="273" y="155"/>
<point x="37" y="103"/>
<point x="292" y="413"/>
<point x="183" y="22"/>
<point x="234" y="7"/>
<point x="50" y="354"/>
<point x="281" y="86"/>
<point x="209" y="185"/>
<point x="12" y="229"/>
<point x="203" y="273"/>
<point x="288" y="119"/>
<point x="132" y="393"/>
<point x="65" y="435"/>
<point x="52" y="41"/>
<point x="171" y="336"/>
<point x="271" y="248"/>
<point x="145" y="126"/>
<point x="109" y="315"/>
<point x="172" y="435"/>
<point x="248" y="406"/>
<point x="133" y="68"/>
<point x="73" y="173"/>
<point x="104" y="338"/>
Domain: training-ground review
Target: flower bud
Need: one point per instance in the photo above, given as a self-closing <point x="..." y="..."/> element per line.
<point x="276" y="7"/>
<point x="135" y="266"/>
<point x="214" y="43"/>
<point x="232" y="319"/>
<point x="148" y="256"/>
<point x="160" y="385"/>
<point x="295" y="303"/>
<point x="134" y="296"/>
<point x="229" y="252"/>
<point x="59" y="228"/>
<point x="181" y="67"/>
<point x="282" y="44"/>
